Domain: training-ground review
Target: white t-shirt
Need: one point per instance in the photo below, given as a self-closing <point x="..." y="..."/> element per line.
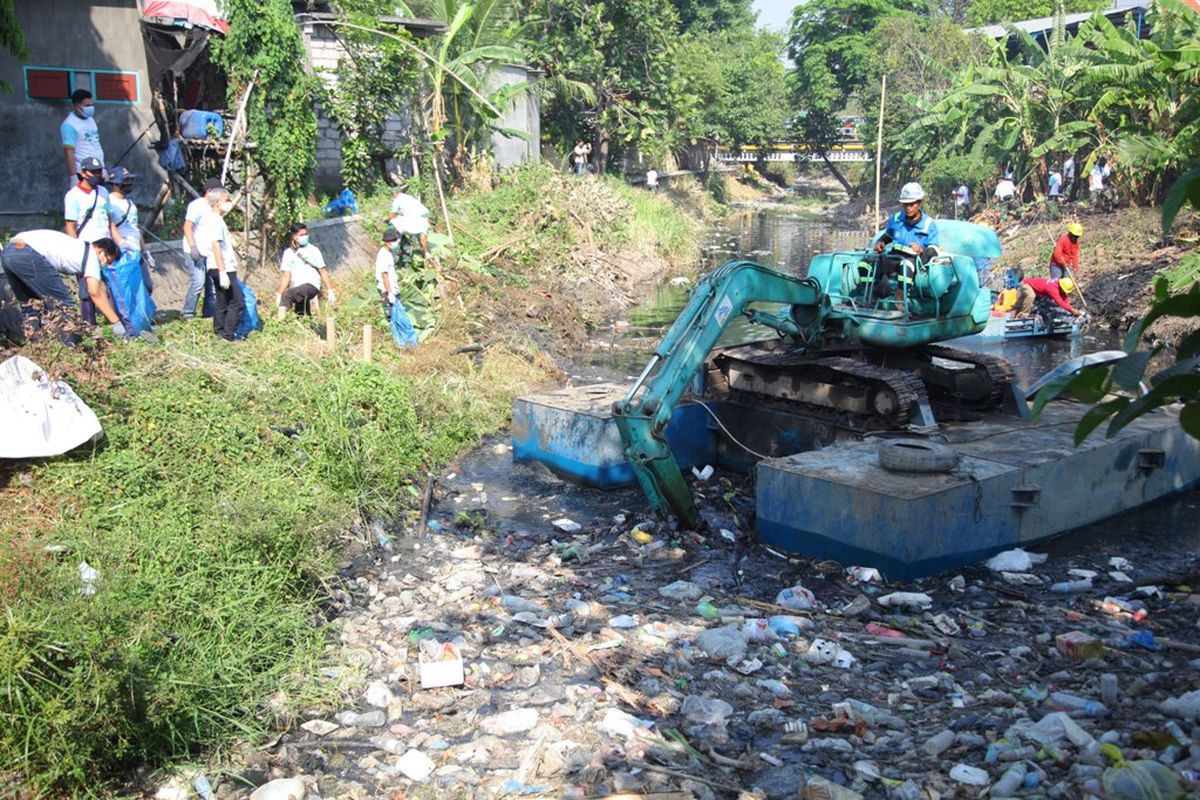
<point x="303" y="264"/>
<point x="78" y="203"/>
<point x="82" y="134"/>
<point x="196" y="209"/>
<point x="962" y="195"/>
<point x="212" y="231"/>
<point x="1005" y="189"/>
<point x="651" y="177"/>
<point x="385" y="264"/>
<point x="1069" y="170"/>
<point x="412" y="217"/>
<point x="1097" y="176"/>
<point x="68" y="256"/>
<point x="125" y="216"/>
<point x="1055" y="184"/>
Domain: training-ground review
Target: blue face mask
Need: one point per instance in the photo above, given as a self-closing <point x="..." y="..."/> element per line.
<point x="302" y="240"/>
<point x="89" y="112"/>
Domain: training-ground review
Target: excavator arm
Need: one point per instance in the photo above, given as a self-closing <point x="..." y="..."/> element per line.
<point x="718" y="298"/>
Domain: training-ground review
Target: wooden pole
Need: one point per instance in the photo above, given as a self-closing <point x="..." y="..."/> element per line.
<point x="879" y="151"/>
<point x="330" y="332"/>
<point x="368" y="341"/>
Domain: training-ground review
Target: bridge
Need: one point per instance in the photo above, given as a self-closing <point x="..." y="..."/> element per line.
<point x="845" y="151"/>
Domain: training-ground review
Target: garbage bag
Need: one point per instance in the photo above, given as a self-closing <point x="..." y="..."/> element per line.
<point x="130" y="296"/>
<point x="1138" y="780"/>
<point x="249" y="321"/>
<point x="402" y="327"/>
<point x="40" y="416"/>
<point x="346" y="201"/>
<point x="417" y="288"/>
<point x="171" y="158"/>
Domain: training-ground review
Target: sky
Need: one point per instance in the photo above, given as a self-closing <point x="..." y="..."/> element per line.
<point x="774" y="14"/>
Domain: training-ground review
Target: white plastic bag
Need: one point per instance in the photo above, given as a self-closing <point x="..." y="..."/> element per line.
<point x="40" y="417"/>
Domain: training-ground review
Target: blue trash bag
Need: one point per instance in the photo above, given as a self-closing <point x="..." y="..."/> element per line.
<point x="131" y="299"/>
<point x="342" y="203"/>
<point x="171" y="158"/>
<point x="249" y="321"/>
<point x="402" y="327"/>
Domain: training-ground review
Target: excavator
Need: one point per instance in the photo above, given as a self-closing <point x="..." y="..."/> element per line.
<point x="855" y="339"/>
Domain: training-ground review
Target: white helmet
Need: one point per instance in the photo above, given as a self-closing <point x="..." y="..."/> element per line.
<point x="912" y="192"/>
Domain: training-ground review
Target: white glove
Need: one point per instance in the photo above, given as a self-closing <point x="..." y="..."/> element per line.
<point x="332" y="296"/>
<point x="278" y="299"/>
<point x="392" y="299"/>
<point x="118" y="329"/>
<point x="223" y="279"/>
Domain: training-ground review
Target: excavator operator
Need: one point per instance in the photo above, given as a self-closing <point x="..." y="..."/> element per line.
<point x="910" y="228"/>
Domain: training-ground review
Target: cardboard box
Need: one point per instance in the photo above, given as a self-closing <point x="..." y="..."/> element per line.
<point x="439" y="664"/>
<point x="1079" y="646"/>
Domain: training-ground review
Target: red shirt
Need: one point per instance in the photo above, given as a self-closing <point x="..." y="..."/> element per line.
<point x="1049" y="288"/>
<point x="1066" y="252"/>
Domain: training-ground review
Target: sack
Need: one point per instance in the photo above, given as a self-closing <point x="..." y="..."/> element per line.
<point x="249" y="321"/>
<point x="171" y="157"/>
<point x="131" y="299"/>
<point x="342" y="203"/>
<point x="402" y="327"/>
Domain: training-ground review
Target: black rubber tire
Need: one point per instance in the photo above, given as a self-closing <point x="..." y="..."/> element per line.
<point x="916" y="455"/>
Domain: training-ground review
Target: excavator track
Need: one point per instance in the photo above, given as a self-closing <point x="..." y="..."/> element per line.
<point x="999" y="372"/>
<point x="876" y="397"/>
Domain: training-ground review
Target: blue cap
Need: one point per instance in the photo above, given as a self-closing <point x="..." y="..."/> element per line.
<point x="121" y="175"/>
<point x="91" y="163"/>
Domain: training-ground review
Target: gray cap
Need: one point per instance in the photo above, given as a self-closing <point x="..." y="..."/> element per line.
<point x="90" y="164"/>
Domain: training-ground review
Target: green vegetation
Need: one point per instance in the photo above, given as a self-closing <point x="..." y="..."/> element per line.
<point x="11" y="37"/>
<point x="264" y="46"/>
<point x="987" y="12"/>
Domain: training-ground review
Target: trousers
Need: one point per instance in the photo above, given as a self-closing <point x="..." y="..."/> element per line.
<point x="229" y="305"/>
<point x="32" y="277"/>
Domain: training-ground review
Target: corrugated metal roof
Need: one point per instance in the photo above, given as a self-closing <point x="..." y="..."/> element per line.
<point x="1044" y="24"/>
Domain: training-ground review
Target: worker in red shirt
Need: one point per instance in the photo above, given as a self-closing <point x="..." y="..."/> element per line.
<point x="1066" y="252"/>
<point x="1033" y="288"/>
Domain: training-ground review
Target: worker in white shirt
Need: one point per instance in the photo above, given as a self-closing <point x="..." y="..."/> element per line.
<point x="125" y="219"/>
<point x="89" y="218"/>
<point x="410" y="218"/>
<point x="214" y="244"/>
<point x="302" y="269"/>
<point x="198" y="280"/>
<point x="385" y="269"/>
<point x="34" y="261"/>
<point x="79" y="134"/>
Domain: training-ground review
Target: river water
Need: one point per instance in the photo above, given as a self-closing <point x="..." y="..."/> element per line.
<point x="787" y="239"/>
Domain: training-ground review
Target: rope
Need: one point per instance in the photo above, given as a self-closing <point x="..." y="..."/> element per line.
<point x="732" y="438"/>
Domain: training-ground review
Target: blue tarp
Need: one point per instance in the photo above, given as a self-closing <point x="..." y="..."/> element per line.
<point x="131" y="299"/>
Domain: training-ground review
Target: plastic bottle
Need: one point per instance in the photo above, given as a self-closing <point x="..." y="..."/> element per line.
<point x="707" y="610"/>
<point x="1070" y="702"/>
<point x="1011" y="781"/>
<point x="1110" y="688"/>
<point x="203" y="787"/>
<point x="1067" y="587"/>
<point x="513" y="603"/>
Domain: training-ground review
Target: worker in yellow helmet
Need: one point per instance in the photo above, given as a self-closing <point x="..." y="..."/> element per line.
<point x="1066" y="252"/>
<point x="1033" y="288"/>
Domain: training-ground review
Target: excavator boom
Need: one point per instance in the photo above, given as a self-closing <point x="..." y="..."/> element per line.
<point x="718" y="298"/>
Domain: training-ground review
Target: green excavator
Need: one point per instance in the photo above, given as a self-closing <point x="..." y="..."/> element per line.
<point x="855" y="340"/>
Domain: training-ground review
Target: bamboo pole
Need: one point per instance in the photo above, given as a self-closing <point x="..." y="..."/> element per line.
<point x="330" y="332"/>
<point x="879" y="151"/>
<point x="238" y="120"/>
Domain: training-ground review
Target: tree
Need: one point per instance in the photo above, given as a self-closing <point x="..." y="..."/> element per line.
<point x="989" y="12"/>
<point x="731" y="87"/>
<point x="11" y="37"/>
<point x="379" y="77"/>
<point x="714" y="16"/>
<point x="264" y="46"/>
<point x="622" y="50"/>
<point x="833" y="47"/>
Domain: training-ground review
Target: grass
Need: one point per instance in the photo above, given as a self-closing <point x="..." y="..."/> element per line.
<point x="221" y="499"/>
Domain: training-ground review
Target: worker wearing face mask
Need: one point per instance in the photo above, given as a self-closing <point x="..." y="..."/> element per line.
<point x="385" y="269"/>
<point x="302" y="273"/>
<point x="215" y="245"/>
<point x="80" y="136"/>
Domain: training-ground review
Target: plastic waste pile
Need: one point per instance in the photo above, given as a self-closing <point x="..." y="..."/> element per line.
<point x="612" y="654"/>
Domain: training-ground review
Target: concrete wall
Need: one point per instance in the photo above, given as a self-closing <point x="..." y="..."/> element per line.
<point x="324" y="52"/>
<point x="343" y="241"/>
<point x="523" y="114"/>
<point x="103" y="35"/>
